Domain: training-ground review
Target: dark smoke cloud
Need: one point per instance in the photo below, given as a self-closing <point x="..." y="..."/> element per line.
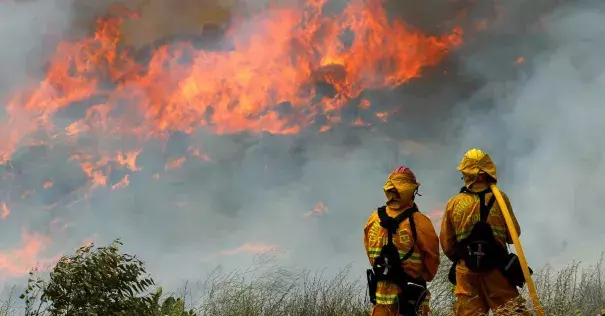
<point x="541" y="121"/>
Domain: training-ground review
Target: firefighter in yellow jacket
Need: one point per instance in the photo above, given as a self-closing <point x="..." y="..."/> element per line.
<point x="415" y="251"/>
<point x="478" y="292"/>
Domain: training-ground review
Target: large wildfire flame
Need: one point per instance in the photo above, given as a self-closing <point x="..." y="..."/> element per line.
<point x="181" y="88"/>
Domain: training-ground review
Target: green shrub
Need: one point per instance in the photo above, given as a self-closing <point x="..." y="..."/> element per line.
<point x="98" y="282"/>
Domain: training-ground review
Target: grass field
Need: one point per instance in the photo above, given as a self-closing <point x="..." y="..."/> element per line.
<point x="573" y="290"/>
<point x="268" y="290"/>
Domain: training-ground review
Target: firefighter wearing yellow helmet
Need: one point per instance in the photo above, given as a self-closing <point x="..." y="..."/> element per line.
<point x="403" y="249"/>
<point x="474" y="236"/>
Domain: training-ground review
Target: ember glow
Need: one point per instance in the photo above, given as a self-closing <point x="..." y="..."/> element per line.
<point x="277" y="65"/>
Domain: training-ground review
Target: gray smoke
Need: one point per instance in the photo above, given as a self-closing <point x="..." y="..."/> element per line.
<point x="544" y="131"/>
<point x="540" y="120"/>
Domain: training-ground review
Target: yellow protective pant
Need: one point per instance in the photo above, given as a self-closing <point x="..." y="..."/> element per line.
<point x="478" y="293"/>
<point x="392" y="310"/>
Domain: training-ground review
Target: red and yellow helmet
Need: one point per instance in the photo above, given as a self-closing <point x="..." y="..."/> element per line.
<point x="400" y="188"/>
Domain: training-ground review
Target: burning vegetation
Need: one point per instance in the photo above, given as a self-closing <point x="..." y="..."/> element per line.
<point x="295" y="69"/>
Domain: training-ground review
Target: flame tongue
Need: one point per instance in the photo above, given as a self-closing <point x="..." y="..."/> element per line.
<point x="278" y="61"/>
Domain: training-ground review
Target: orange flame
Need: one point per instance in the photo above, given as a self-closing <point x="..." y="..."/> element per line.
<point x="175" y="163"/>
<point x="250" y="248"/>
<point x="5" y="211"/>
<point x="124" y="182"/>
<point x="247" y="247"/>
<point x="197" y="153"/>
<point x="318" y="210"/>
<point x="19" y="261"/>
<point x="365" y="104"/>
<point x="89" y="241"/>
<point x="233" y="91"/>
<point x="128" y="159"/>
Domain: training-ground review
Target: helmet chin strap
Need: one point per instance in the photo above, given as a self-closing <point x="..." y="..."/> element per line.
<point x="416" y="193"/>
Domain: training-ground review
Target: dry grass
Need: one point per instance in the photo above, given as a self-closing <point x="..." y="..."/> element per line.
<point x="572" y="290"/>
<point x="268" y="290"/>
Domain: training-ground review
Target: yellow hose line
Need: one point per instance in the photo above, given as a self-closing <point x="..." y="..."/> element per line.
<point x="517" y="243"/>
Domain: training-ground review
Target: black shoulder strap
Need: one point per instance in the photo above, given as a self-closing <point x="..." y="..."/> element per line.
<point x="484" y="209"/>
<point x="392" y="224"/>
<point x="409" y="213"/>
<point x="387" y="222"/>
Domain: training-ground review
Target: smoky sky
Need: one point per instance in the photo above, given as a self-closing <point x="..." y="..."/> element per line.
<point x="528" y="89"/>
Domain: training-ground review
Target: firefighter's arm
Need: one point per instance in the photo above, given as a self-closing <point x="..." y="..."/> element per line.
<point x="447" y="235"/>
<point x="509" y="239"/>
<point x="428" y="245"/>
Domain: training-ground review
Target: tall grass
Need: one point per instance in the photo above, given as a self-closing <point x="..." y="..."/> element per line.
<point x="572" y="290"/>
<point x="269" y="290"/>
<point x="272" y="291"/>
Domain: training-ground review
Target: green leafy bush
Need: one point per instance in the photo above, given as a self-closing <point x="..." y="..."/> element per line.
<point x="98" y="282"/>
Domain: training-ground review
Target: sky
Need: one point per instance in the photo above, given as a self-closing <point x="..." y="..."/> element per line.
<point x="525" y="85"/>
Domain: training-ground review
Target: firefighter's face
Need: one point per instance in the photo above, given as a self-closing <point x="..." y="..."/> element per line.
<point x="481" y="177"/>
